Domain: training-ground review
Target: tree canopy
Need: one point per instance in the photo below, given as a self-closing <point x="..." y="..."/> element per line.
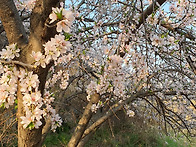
<point x="139" y="56"/>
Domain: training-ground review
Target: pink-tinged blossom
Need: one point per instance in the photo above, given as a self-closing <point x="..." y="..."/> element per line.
<point x="56" y="122"/>
<point x="61" y="45"/>
<point x="8" y="86"/>
<point x="48" y="99"/>
<point x="39" y="59"/>
<point x="38" y="124"/>
<point x="62" y="26"/>
<point x="65" y="17"/>
<point x="5" y="77"/>
<point x="53" y="16"/>
<point x="29" y="82"/>
<point x="64" y="81"/>
<point x="3" y="97"/>
<point x="33" y="118"/>
<point x="32" y="99"/>
<point x="152" y="20"/>
<point x="37" y="113"/>
<point x="156" y="40"/>
<point x="22" y="73"/>
<point x="26" y="120"/>
<point x="56" y="48"/>
<point x="10" y="52"/>
<point x="12" y="85"/>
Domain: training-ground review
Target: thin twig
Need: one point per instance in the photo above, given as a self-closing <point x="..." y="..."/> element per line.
<point x="18" y="63"/>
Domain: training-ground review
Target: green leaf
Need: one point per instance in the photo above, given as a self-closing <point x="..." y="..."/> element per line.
<point x="162" y="36"/>
<point x="59" y="15"/>
<point x="110" y="28"/>
<point x="98" y="81"/>
<point x="84" y="52"/>
<point x="102" y="69"/>
<point x="31" y="126"/>
<point x="110" y="85"/>
<point x="67" y="36"/>
<point x="2" y="106"/>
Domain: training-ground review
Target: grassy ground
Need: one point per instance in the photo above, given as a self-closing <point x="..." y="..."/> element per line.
<point x="124" y="135"/>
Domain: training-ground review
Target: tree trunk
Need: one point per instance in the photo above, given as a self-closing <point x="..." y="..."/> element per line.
<point x="39" y="34"/>
<point x="79" y="131"/>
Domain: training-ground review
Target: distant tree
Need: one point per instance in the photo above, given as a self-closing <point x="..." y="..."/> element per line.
<point x="139" y="56"/>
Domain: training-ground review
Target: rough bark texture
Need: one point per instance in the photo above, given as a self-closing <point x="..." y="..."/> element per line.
<point x="11" y="22"/>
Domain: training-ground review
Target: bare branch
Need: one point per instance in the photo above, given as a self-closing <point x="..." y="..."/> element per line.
<point x="181" y="31"/>
<point x="149" y="10"/>
<point x="18" y="63"/>
<point x="80" y="4"/>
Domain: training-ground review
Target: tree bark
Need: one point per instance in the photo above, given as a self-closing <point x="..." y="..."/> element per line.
<point x="12" y="23"/>
<point x="39" y="34"/>
<point x="91" y="130"/>
<point x="76" y="137"/>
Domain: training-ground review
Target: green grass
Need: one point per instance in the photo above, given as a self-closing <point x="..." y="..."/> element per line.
<point x="59" y="138"/>
<point x="124" y="135"/>
<point x="130" y="137"/>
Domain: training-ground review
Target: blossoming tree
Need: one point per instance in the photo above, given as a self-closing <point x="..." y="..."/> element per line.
<point x="139" y="56"/>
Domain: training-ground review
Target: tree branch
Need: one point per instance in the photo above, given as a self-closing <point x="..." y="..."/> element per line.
<point x="152" y="7"/>
<point x="12" y="23"/>
<point x="18" y="63"/>
<point x="82" y="124"/>
<point x="39" y="18"/>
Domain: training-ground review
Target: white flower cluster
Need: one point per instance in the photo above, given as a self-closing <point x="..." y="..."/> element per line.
<point x="25" y="4"/>
<point x="50" y="112"/>
<point x="64" y="18"/>
<point x="61" y="75"/>
<point x="111" y="80"/>
<point x="130" y="112"/>
<point x="139" y="67"/>
<point x="8" y="85"/>
<point x="10" y="52"/>
<point x="35" y="106"/>
<point x="55" y="48"/>
<point x="32" y="100"/>
<point x="95" y="107"/>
